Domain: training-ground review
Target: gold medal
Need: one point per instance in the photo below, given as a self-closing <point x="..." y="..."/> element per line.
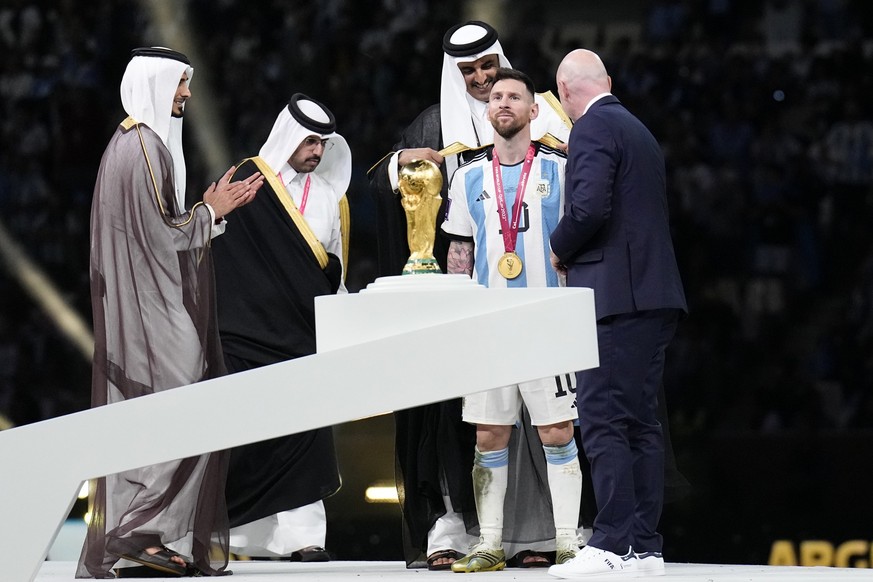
<point x="509" y="265"/>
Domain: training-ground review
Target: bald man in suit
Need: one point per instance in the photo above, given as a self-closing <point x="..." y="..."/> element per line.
<point x="614" y="237"/>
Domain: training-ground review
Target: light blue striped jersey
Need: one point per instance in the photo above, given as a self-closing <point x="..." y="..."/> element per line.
<point x="472" y="215"/>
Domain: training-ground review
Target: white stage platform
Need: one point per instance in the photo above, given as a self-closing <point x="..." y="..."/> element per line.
<point x="362" y="571"/>
<point x="377" y="352"/>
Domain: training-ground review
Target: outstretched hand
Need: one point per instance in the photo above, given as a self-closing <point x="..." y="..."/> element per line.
<point x="227" y="196"/>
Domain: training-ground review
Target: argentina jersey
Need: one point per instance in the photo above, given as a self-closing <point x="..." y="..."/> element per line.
<point x="473" y="214"/>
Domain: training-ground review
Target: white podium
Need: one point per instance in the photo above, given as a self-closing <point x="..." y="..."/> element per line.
<point x="394" y="345"/>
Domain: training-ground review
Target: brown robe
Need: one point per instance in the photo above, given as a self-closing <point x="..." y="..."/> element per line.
<point x="154" y="329"/>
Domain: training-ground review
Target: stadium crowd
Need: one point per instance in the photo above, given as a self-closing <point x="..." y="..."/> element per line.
<point x="759" y="106"/>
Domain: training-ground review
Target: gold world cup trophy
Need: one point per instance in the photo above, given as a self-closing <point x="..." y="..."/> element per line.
<point x="420" y="183"/>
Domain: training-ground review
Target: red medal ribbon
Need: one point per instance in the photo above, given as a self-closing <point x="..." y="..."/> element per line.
<point x="510" y="229"/>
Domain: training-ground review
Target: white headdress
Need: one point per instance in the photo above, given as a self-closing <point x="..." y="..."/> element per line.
<point x="464" y="43"/>
<point x="301" y="118"/>
<point x="148" y="88"/>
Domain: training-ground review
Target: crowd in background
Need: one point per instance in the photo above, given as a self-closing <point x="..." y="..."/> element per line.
<point x="759" y="106"/>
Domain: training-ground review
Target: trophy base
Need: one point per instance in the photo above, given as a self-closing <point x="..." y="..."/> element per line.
<point x="421" y="267"/>
<point x="437" y="282"/>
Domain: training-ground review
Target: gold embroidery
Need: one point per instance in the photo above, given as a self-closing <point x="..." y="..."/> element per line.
<point x="291" y="209"/>
<point x="130" y="122"/>
<point x="559" y="109"/>
<point x="550" y="141"/>
<point x="453" y="149"/>
<point x="345" y="225"/>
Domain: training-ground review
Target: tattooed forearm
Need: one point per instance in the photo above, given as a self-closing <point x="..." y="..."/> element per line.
<point x="460" y="258"/>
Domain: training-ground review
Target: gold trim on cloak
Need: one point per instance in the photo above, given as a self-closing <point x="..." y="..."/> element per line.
<point x="382" y="159"/>
<point x="454" y="148"/>
<point x="291" y="209"/>
<point x="345" y="226"/>
<point x="457" y="147"/>
<point x="551" y="141"/>
<point x="126" y="125"/>
<point x="559" y="109"/>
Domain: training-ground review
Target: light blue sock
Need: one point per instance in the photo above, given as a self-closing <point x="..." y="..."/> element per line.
<point x="490" y="476"/>
<point x="561" y="454"/>
<point x="565" y="486"/>
<point x="491" y="459"/>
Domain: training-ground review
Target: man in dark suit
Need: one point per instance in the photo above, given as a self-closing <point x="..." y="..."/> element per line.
<point x="615" y="238"/>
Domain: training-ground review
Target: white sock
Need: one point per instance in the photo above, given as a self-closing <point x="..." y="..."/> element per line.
<point x="565" y="486"/>
<point x="490" y="476"/>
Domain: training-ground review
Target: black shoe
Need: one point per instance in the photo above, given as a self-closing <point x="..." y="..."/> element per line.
<point x="310" y="554"/>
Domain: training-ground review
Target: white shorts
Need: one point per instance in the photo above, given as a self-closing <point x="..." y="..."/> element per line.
<point x="549" y="401"/>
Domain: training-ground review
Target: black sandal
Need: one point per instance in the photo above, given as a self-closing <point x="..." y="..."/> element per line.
<point x="310" y="554"/>
<point x="442" y="555"/>
<point x="161" y="561"/>
<point x="518" y="560"/>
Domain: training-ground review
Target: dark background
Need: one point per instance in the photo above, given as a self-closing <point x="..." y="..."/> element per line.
<point x="762" y="109"/>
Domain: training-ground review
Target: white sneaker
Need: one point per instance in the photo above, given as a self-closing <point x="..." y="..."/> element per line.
<point x="650" y="564"/>
<point x="591" y="561"/>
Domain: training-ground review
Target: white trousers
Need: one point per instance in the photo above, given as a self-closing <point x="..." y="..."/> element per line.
<point x="281" y="534"/>
<point x="449" y="532"/>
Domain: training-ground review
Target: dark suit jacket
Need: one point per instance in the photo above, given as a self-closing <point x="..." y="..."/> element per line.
<point x="615" y="234"/>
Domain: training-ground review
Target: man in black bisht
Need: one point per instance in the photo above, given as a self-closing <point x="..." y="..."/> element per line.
<point x="285" y="251"/>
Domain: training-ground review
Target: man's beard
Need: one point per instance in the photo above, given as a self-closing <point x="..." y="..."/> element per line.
<point x="179" y="115"/>
<point x="509" y="131"/>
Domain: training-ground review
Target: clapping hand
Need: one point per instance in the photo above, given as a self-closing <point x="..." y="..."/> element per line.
<point x="227" y="196"/>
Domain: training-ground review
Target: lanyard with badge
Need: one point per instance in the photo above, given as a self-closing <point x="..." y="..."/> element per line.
<point x="303" y="200"/>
